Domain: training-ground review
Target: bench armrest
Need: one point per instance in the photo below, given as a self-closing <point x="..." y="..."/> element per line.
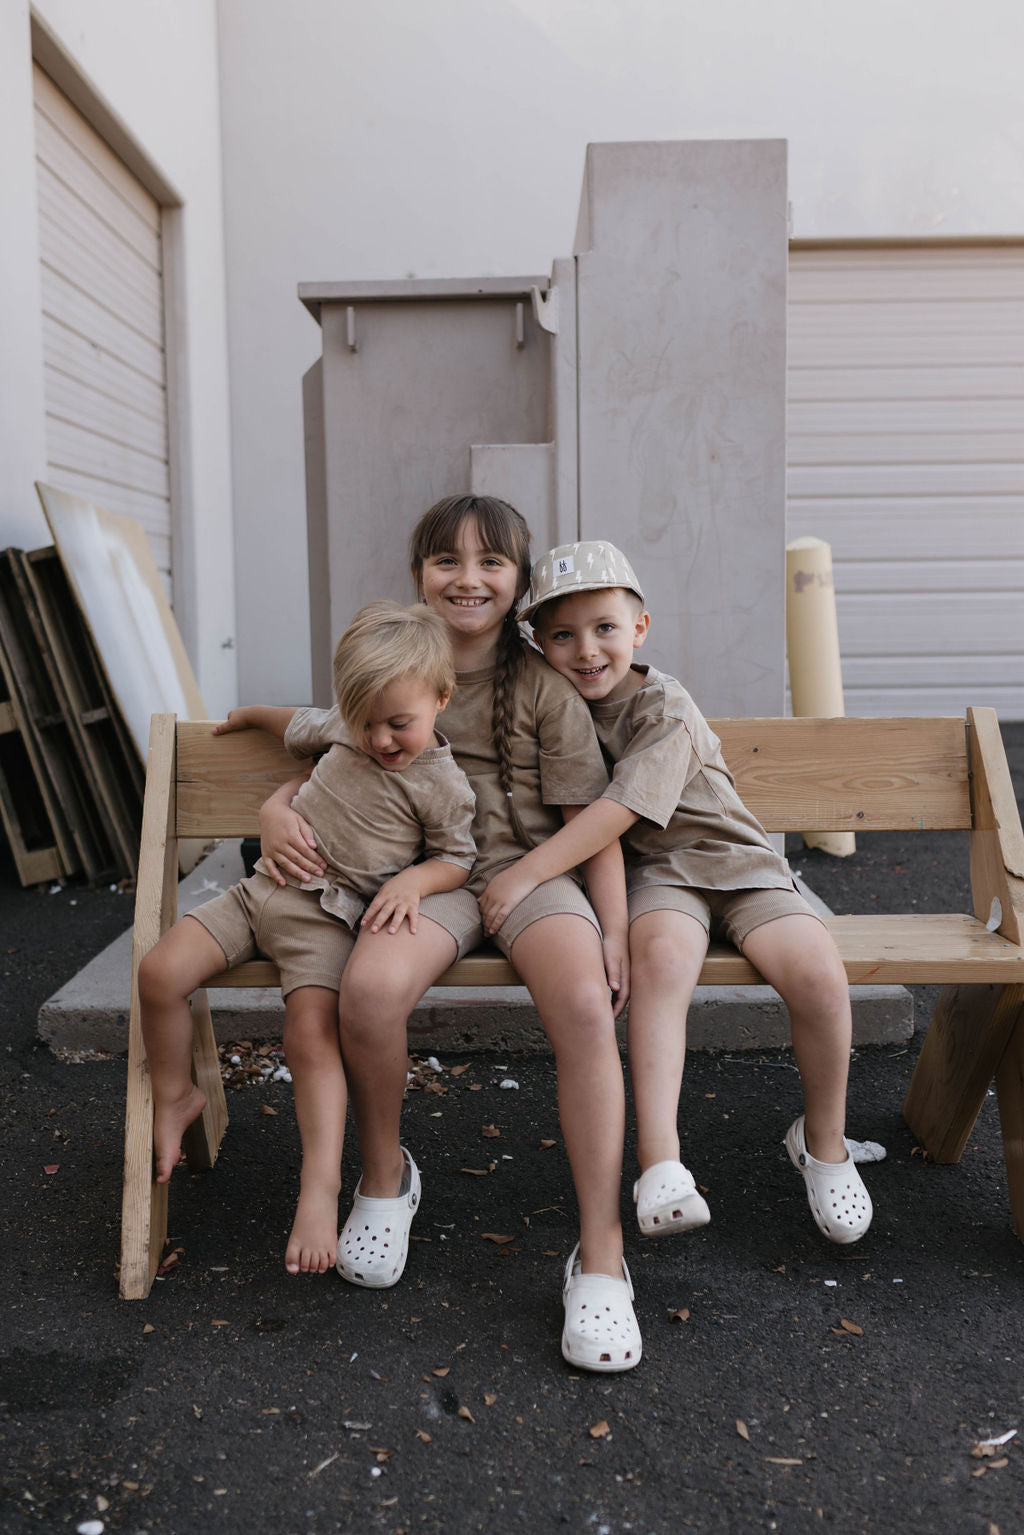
<point x="997" y="841"/>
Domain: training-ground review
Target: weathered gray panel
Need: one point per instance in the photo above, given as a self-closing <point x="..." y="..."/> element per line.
<point x="682" y="366"/>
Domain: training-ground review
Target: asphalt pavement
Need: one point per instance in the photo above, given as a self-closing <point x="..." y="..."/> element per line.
<point x="786" y="1384"/>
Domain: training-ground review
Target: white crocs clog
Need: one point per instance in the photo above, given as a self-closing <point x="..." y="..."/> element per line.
<point x="374" y="1242"/>
<point x="667" y="1200"/>
<point x="839" y="1202"/>
<point x="600" y="1331"/>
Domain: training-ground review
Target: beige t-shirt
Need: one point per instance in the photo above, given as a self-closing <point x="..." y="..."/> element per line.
<point x="694" y="829"/>
<point x="556" y="759"/>
<point x="369" y="824"/>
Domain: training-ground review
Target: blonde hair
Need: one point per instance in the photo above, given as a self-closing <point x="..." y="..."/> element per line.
<point x="502" y="531"/>
<point x="384" y="642"/>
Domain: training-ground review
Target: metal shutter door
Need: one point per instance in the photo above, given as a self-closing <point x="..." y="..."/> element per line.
<point x="906" y="452"/>
<point x="103" y="323"/>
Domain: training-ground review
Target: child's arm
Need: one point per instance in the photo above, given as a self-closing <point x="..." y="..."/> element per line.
<point x="286" y="838"/>
<point x="398" y="899"/>
<point x="585" y="833"/>
<point x="605" y="875"/>
<point x="273" y="718"/>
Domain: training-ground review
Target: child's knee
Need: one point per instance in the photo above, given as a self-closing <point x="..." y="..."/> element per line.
<point x="660" y="959"/>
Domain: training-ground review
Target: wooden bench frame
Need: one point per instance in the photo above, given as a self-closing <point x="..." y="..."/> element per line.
<point x="796" y="775"/>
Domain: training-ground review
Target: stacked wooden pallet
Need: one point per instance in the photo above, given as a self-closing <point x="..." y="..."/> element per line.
<point x="71" y="782"/>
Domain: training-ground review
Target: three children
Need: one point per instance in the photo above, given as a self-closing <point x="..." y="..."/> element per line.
<point x="522" y="730"/>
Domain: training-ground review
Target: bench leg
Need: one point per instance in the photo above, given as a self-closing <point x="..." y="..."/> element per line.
<point x="1010" y="1093"/>
<point x="961" y="1052"/>
<point x="202" y="1139"/>
<point x="144" y="1201"/>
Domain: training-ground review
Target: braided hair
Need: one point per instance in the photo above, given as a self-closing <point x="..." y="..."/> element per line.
<point x="503" y="531"/>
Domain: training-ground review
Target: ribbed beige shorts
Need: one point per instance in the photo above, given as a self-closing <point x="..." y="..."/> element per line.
<point x="308" y="945"/>
<point x="459" y="913"/>
<point x="558" y="897"/>
<point x="733" y="913"/>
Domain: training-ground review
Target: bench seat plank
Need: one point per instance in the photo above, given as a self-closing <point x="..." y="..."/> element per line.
<point x="876" y="950"/>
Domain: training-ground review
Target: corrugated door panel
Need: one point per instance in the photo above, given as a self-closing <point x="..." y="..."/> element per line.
<point x="103" y="323"/>
<point x="906" y="452"/>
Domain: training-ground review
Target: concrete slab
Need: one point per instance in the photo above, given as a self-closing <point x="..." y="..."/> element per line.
<point x="89" y="1015"/>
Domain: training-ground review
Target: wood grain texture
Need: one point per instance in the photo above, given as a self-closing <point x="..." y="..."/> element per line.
<point x="144" y="1202"/>
<point x="962" y="1049"/>
<point x="997" y="842"/>
<point x="202" y="1139"/>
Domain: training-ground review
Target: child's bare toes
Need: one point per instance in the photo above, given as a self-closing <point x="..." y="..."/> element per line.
<point x="170" y="1121"/>
<point x="313" y="1243"/>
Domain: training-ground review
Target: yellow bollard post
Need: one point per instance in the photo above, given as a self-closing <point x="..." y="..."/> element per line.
<point x="812" y="646"/>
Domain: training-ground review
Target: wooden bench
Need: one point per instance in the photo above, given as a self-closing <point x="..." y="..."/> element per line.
<point x="797" y="775"/>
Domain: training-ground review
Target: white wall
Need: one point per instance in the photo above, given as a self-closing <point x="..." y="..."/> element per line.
<point x="446" y="137"/>
<point x="151" y="67"/>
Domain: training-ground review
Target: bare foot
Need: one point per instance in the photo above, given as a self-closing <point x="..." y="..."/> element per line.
<point x="170" y="1121"/>
<point x="313" y="1244"/>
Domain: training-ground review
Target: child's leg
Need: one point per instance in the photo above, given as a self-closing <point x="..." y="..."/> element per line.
<point x="666" y="951"/>
<point x="314" y="1060"/>
<point x="185" y="957"/>
<point x="560" y="960"/>
<point x="383" y="981"/>
<point x="797" y="956"/>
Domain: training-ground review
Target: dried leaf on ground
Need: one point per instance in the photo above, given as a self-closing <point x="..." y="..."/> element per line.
<point x="265" y="1108"/>
<point x="742" y="1430"/>
<point x="464" y="1412"/>
<point x="495" y="1236"/>
<point x="490" y="1397"/>
<point x="423" y="1436"/>
<point x="442" y="1371"/>
<point x="456" y="1071"/>
<point x="546" y="1145"/>
<point x="491" y="1132"/>
<point x="848" y="1326"/>
<point x="680" y="1314"/>
<point x="477" y="1172"/>
<point x="600" y="1429"/>
<point x="781" y="1460"/>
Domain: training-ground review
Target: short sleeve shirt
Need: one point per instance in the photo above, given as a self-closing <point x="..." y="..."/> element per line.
<point x="556" y="759"/>
<point x="668" y="768"/>
<point x="369" y="824"/>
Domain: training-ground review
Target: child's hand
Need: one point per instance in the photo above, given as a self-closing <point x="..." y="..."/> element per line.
<point x="397" y="901"/>
<point x="287" y="843"/>
<point x="616" y="968"/>
<point x="503" y="895"/>
<point x="238" y="719"/>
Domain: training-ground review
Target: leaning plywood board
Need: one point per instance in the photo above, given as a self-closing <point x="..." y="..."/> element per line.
<point x="118" y="589"/>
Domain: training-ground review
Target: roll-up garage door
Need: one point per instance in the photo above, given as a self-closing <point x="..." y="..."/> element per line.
<point x="103" y="323"/>
<point x="906" y="453"/>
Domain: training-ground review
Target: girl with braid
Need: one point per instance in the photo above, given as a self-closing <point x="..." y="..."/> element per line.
<point x="525" y="740"/>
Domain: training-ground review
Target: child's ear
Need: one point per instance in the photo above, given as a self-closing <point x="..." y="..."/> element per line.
<point x="442" y="702"/>
<point x="643" y="623"/>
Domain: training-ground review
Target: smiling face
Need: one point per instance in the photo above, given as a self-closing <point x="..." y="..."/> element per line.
<point x="590" y="638"/>
<point x="472" y="587"/>
<point x="400" y="723"/>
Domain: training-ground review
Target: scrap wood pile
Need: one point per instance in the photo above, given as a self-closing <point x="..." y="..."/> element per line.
<point x="71" y="780"/>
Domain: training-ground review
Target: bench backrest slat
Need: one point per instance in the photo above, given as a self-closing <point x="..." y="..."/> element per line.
<point x="794" y="774"/>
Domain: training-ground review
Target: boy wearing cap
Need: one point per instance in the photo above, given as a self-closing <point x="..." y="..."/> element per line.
<point x="695" y="858"/>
